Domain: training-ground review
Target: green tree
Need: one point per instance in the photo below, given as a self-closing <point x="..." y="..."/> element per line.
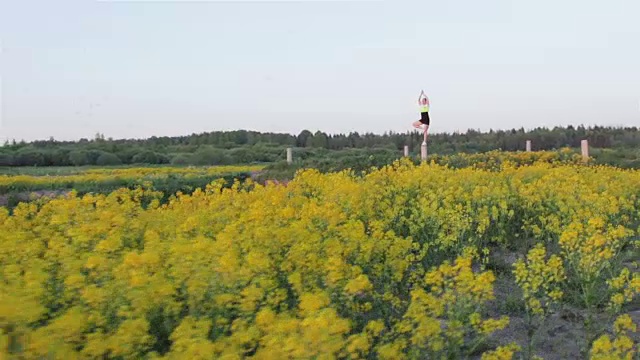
<point x="146" y="157"/>
<point x="210" y="156"/>
<point x="108" y="159"/>
<point x="303" y="137"/>
<point x="79" y="158"/>
<point x="181" y="159"/>
<point x="6" y="159"/>
<point x="320" y="140"/>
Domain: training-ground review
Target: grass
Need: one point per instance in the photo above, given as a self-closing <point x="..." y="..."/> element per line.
<point x="77" y="170"/>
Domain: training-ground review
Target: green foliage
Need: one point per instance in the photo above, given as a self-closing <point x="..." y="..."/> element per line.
<point x="6" y="159"/>
<point x="622" y="157"/>
<point x="608" y="145"/>
<point x="28" y="157"/>
<point x="210" y="156"/>
<point x="181" y="159"/>
<point x="108" y="159"/>
<point x="79" y="158"/>
<point x="149" y="157"/>
<point x="242" y="155"/>
<point x="21" y="191"/>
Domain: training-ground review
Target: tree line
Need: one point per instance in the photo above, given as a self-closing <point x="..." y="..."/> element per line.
<point x="241" y="146"/>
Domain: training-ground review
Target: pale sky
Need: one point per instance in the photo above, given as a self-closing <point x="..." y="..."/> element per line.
<point x="131" y="69"/>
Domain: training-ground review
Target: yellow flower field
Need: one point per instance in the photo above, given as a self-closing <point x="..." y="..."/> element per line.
<point x="394" y="264"/>
<point x="125" y="174"/>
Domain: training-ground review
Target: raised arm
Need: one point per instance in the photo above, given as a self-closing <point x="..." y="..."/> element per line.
<point x="423" y="95"/>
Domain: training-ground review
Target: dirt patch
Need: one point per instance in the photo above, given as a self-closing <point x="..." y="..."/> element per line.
<point x="560" y="336"/>
<point x="13" y="198"/>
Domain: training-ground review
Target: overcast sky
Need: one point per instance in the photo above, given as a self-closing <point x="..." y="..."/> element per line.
<point x="129" y="69"/>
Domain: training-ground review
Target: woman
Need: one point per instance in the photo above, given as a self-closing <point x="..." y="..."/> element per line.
<point x="423" y="101"/>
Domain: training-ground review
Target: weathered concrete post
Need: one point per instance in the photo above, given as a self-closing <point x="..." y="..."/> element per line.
<point x="585" y="150"/>
<point x="289" y="156"/>
<point x="406" y="150"/>
<point x="528" y="145"/>
<point x="423" y="151"/>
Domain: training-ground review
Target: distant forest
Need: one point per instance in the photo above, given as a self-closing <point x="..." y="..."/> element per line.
<point x="240" y="147"/>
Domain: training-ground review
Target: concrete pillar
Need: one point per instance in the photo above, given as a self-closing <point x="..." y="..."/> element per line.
<point x="289" y="156"/>
<point x="528" y="145"/>
<point x="585" y="150"/>
<point x="406" y="150"/>
<point x="423" y="151"/>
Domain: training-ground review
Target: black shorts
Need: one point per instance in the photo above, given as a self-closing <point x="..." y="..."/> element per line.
<point x="424" y="118"/>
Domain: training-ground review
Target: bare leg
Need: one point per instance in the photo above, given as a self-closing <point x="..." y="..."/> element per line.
<point x="426" y="129"/>
<point x="417" y="125"/>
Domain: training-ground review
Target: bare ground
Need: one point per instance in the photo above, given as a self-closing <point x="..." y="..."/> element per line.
<point x="30" y="195"/>
<point x="561" y="335"/>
